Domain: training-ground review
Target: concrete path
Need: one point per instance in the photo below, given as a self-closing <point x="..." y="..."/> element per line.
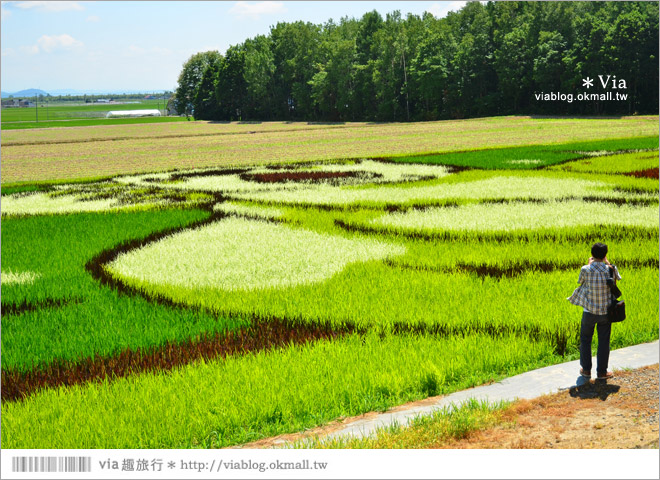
<point x="525" y="386"/>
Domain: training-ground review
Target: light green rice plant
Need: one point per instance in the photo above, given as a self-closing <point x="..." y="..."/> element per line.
<point x="238" y="254"/>
<point x="509" y="217"/>
<point x="621" y="163"/>
<point x="497" y="187"/>
<point x="251" y="211"/>
<point x="27" y="277"/>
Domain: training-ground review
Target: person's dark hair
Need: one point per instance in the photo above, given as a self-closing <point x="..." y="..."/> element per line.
<point x="599" y="250"/>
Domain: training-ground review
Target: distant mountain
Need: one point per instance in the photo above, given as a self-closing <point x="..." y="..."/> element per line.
<point x="30" y="92"/>
<point x="3" y="94"/>
<point x="69" y="91"/>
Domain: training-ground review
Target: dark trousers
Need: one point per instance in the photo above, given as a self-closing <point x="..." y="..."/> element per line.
<point x="604" y="327"/>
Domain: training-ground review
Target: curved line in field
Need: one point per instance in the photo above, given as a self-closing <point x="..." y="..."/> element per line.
<point x="24" y="306"/>
<point x="648" y="173"/>
<point x="515" y="270"/>
<point x="589" y="236"/>
<point x="263" y="335"/>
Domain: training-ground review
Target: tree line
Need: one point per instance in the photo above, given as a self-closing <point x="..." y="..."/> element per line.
<point x="491" y="59"/>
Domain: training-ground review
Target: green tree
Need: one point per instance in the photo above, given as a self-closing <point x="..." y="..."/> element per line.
<point x="205" y="104"/>
<point x="231" y="87"/>
<point x="191" y="77"/>
<point x="258" y="72"/>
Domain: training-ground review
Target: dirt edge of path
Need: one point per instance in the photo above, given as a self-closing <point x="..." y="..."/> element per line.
<point x="621" y="413"/>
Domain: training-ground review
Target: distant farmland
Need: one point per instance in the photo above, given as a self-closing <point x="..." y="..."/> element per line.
<point x="100" y="151"/>
<point x="63" y="114"/>
<point x="68" y="111"/>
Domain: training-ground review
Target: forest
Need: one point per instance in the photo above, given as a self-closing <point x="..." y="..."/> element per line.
<point x="486" y="59"/>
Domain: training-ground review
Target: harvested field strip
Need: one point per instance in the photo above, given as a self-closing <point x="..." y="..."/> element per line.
<point x="473" y="128"/>
<point x="55" y="137"/>
<point x="262" y="335"/>
<point x="49" y="161"/>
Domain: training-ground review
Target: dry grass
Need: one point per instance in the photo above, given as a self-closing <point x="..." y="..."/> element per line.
<point x="89" y="152"/>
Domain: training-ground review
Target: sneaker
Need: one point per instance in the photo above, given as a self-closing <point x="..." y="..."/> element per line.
<point x="605" y="376"/>
<point x="585" y="373"/>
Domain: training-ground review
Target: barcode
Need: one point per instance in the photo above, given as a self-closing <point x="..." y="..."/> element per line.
<point x="51" y="464"/>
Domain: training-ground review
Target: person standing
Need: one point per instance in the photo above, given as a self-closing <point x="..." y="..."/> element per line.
<point x="595" y="297"/>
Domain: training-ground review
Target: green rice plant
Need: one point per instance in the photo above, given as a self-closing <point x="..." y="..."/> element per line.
<point x="515" y="255"/>
<point x="468" y="285"/>
<point x="389" y="298"/>
<point x="531" y="156"/>
<point x="64" y="314"/>
<point x="241" y="399"/>
<point x="9" y="190"/>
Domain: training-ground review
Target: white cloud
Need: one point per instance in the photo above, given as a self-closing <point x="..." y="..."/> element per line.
<point x="8" y="52"/>
<point x="92" y="18"/>
<point x="56" y="42"/>
<point x="51" y="6"/>
<point x="254" y="10"/>
<point x="441" y="9"/>
<point x="29" y="50"/>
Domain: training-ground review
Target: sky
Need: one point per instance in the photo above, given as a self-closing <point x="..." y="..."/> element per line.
<point x="115" y="46"/>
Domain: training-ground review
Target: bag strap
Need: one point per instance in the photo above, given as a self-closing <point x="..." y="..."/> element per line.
<point x="616" y="293"/>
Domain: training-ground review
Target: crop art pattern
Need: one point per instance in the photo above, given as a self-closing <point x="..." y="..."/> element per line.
<point x="238" y="254"/>
<point x="209" y="307"/>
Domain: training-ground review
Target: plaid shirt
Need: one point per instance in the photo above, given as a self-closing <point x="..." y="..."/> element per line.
<point x="593" y="294"/>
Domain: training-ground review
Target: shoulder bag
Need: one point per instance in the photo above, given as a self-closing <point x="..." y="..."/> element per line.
<point x="616" y="312"/>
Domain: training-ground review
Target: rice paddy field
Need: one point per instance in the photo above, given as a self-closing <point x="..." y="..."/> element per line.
<point x="204" y="285"/>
